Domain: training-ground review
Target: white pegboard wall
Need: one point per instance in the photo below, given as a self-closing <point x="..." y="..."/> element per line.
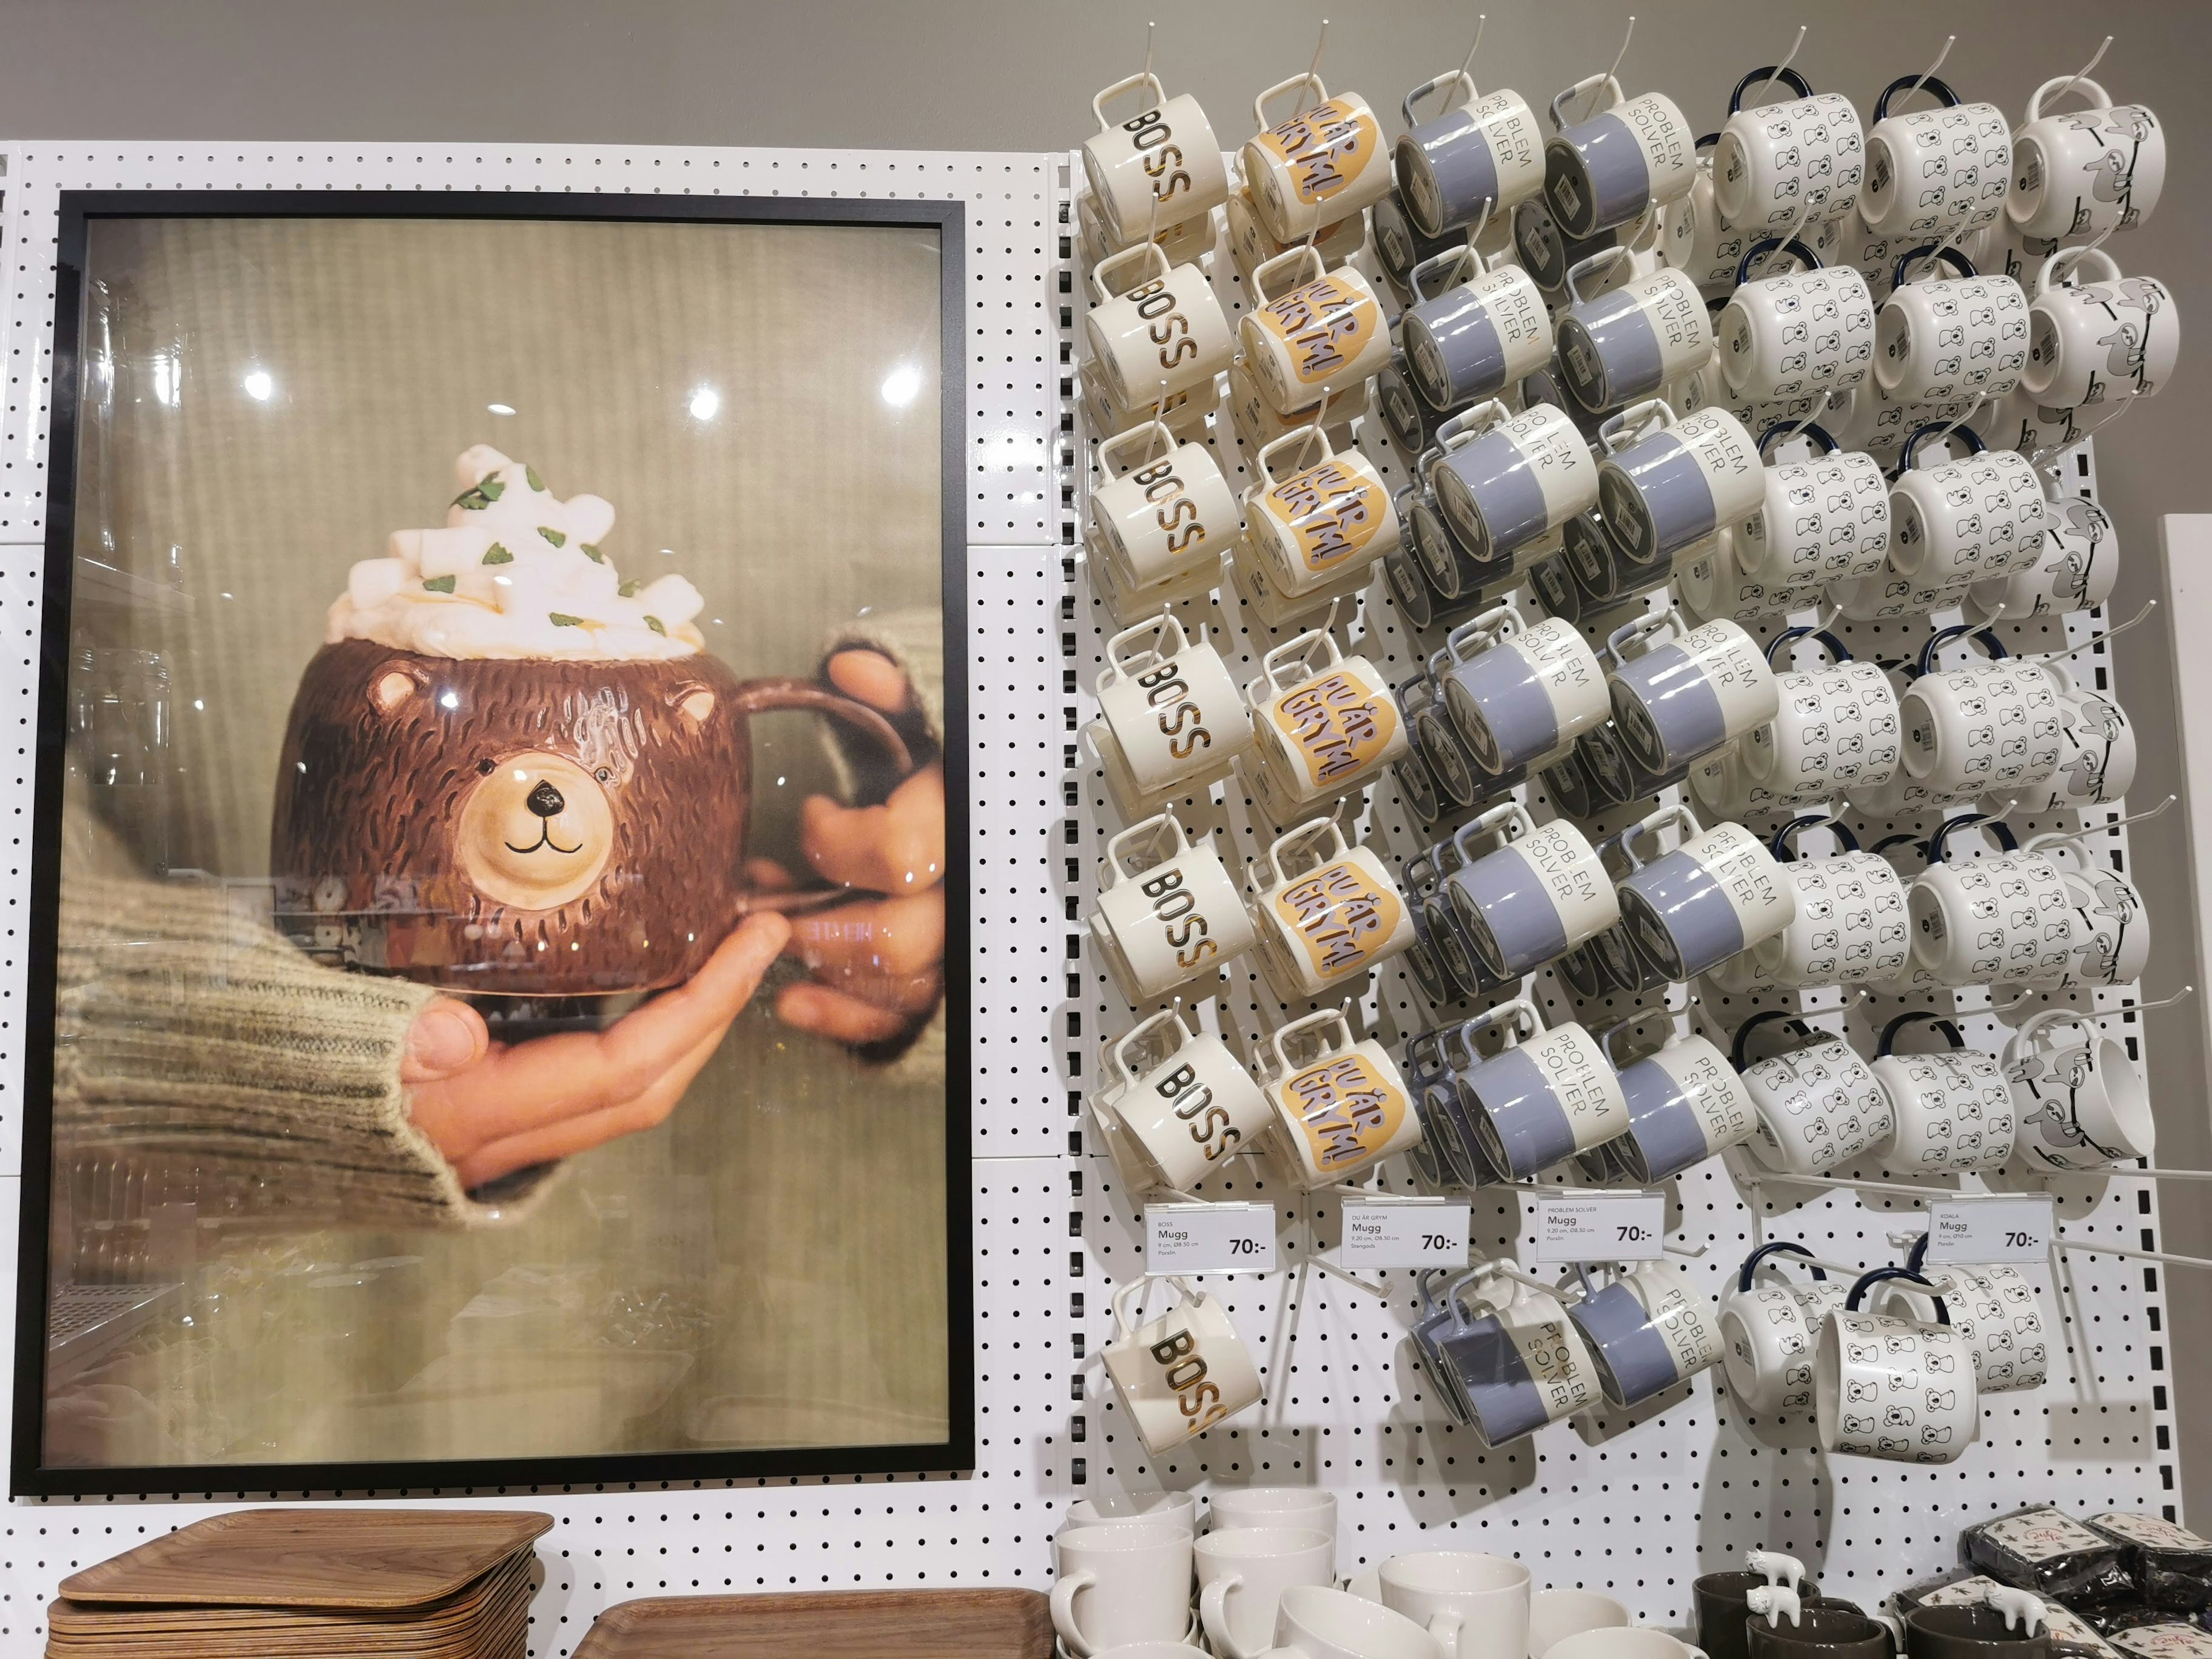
<point x="1635" y="1503"/>
<point x="611" y="1543"/>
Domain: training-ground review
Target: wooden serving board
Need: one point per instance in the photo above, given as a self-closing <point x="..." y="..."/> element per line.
<point x="346" y="1558"/>
<point x="946" y="1624"/>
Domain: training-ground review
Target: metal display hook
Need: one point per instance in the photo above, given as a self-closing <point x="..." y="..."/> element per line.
<point x="1618" y="57"/>
<point x="2096" y="640"/>
<point x="2083" y="74"/>
<point x="1779" y="69"/>
<point x="1929" y="74"/>
<point x="1467" y="67"/>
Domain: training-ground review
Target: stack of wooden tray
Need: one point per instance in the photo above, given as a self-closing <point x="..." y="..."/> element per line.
<point x="945" y="1624"/>
<point x="311" y="1584"/>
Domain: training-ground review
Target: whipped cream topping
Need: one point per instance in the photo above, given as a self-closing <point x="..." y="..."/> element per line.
<point x="514" y="573"/>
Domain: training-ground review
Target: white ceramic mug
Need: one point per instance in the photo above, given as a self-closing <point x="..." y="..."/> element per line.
<point x="1304" y="1508"/>
<point x="2082" y="1105"/>
<point x="1993" y="1309"/>
<point x="1313" y="1621"/>
<point x="1771" y="1331"/>
<point x="1668" y="483"/>
<point x="1243" y="1572"/>
<point x="1894" y="1387"/>
<point x="1961" y="522"/>
<point x="1631" y="1642"/>
<point x="1952" y="1108"/>
<point x="2088" y="171"/>
<point x="1326" y="724"/>
<point x="1177" y="1375"/>
<point x="1325" y="332"/>
<point x="1786" y="165"/>
<point x="1484" y="154"/>
<point x="1164" y="724"/>
<point x="1938" y="339"/>
<point x="1802" y="333"/>
<point x="1938" y="170"/>
<point x="2098" y="746"/>
<point x="2101" y="341"/>
<point x="1679" y="692"/>
<point x="1556" y="1614"/>
<point x="1125" y="1509"/>
<point x="1119" y="1584"/>
<point x="1178" y="1098"/>
<point x="1852" y="925"/>
<point x="2003" y="919"/>
<point x="1316" y="166"/>
<point x="1475" y="1606"/>
<point x="1985" y="730"/>
<point x="1166" y="507"/>
<point x="1820" y="1105"/>
<point x="1327" y="912"/>
<point x="1161" y="166"/>
<point x="1167" y="912"/>
<point x="1340" y="1104"/>
<point x="1323" y="522"/>
<point x="1633" y="336"/>
<point x="2077" y="570"/>
<point x="1834" y="729"/>
<point x="2112" y="924"/>
<point x="1161" y="335"/>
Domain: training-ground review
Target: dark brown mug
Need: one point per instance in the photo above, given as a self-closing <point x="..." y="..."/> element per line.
<point x="1964" y="1630"/>
<point x="1722" y="1609"/>
<point x="1824" y="1629"/>
<point x="531" y="828"/>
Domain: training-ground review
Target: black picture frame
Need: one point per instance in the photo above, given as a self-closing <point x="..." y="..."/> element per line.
<point x="29" y="1475"/>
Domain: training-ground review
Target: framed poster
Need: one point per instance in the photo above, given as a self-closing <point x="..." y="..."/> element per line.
<point x="500" y="653"/>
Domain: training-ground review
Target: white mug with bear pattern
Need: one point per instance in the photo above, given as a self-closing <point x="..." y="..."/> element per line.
<point x="1771" y="1331"/>
<point x="1954" y="1107"/>
<point x="1894" y="1387"/>
<point x="1852" y="925"/>
<point x="1820" y="1105"/>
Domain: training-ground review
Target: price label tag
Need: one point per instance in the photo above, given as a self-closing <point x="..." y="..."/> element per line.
<point x="1209" y="1238"/>
<point x="1585" y="1226"/>
<point x="1974" y="1231"/>
<point x="1382" y="1234"/>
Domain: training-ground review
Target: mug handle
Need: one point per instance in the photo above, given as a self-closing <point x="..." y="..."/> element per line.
<point x="1412" y="98"/>
<point x="1624" y="842"/>
<point x="1213" y="1614"/>
<point x="1740" y="1044"/>
<point x="1499" y="622"/>
<point x="1506" y="816"/>
<point x="1136" y="1033"/>
<point x="1314" y="1021"/>
<point x="1464" y="428"/>
<point x="1604" y="258"/>
<point x="1631" y="419"/>
<point x="1812" y="430"/>
<point x="1837" y="652"/>
<point x="1142" y="78"/>
<point x="2047" y="277"/>
<point x="1942" y="636"/>
<point x="1149" y="251"/>
<point x="1464" y="254"/>
<point x="1158" y="441"/>
<point x="1166" y="820"/>
<point x="1888" y="1045"/>
<point x="1906" y="452"/>
<point x="1293" y="650"/>
<point x="1800" y="250"/>
<point x="2059" y="84"/>
<point x="1158" y="627"/>
<point x="1305" y="436"/>
<point x="1445" y="1628"/>
<point x="1520" y="1009"/>
<point x="1616" y="642"/>
<point x="763" y="696"/>
<point x="1326" y="829"/>
<point x="1908" y="84"/>
<point x="1859" y="1290"/>
<point x="1785" y="844"/>
<point x="1770" y="72"/>
<point x="1939" y="844"/>
<point x="1751" y="1265"/>
<point x="1605" y="82"/>
<point x="1287" y="257"/>
<point x="1260" y="121"/>
<point x="1935" y="255"/>
<point x="1063" y="1608"/>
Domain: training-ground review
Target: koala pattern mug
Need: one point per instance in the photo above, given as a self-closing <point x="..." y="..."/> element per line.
<point x="1953" y="1109"/>
<point x="1167" y="911"/>
<point x="1934" y="172"/>
<point x="1825" y="518"/>
<point x="2003" y="919"/>
<point x="1795" y="334"/>
<point x="1986" y="731"/>
<point x="1938" y="339"/>
<point x="1791" y="164"/>
<point x="1771" y="1332"/>
<point x="1820" y="1105"/>
<point x="1179" y="1373"/>
<point x="1894" y="1387"/>
<point x="1852" y="925"/>
<point x="1833" y="730"/>
<point x="1960" y="522"/>
<point x="1993" y="1309"/>
<point x="2077" y="570"/>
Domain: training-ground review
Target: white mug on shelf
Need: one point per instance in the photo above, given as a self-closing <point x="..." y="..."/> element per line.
<point x="1162" y="335"/>
<point x="1167" y="912"/>
<point x="1622" y="158"/>
<point x="1952" y="1108"/>
<point x="1851" y="925"/>
<point x="2006" y="919"/>
<point x="1771" y="1332"/>
<point x="1322" y="524"/>
<point x="1177" y="1375"/>
<point x="1316" y="166"/>
<point x="1475" y="1606"/>
<point x="1164" y="724"/>
<point x="1114" y="1585"/>
<point x="1983" y="731"/>
<point x="1834" y="729"/>
<point x="1820" y="1105"/>
<point x="1180" y="1098"/>
<point x="1894" y="1387"/>
<point x="1162" y="166"/>
<point x="2086" y="173"/>
<point x="1164" y="509"/>
<point x="1785" y="165"/>
<point x="1327" y="912"/>
<point x="2076" y="569"/>
<point x="1324" y="333"/>
<point x="2098" y="342"/>
<point x="1243" y="1571"/>
<point x="1962" y="522"/>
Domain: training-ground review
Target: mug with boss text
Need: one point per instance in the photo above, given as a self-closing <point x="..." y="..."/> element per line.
<point x="1177" y="1099"/>
<point x="1179" y="1373"/>
<point x="1166" y="510"/>
<point x="1610" y="167"/>
<point x="1167" y="911"/>
<point x="1163" y="335"/>
<point x="1162" y="166"/>
<point x="1164" y="724"/>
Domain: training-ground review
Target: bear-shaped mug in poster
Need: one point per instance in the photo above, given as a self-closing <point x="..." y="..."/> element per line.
<point x="508" y="771"/>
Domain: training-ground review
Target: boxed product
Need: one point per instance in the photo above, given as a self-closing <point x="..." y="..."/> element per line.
<point x="2049" y="1552"/>
<point x="2171" y="1566"/>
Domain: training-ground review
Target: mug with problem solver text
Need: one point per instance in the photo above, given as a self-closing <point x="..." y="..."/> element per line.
<point x="1934" y="172"/>
<point x="1167" y="912"/>
<point x="1538" y="894"/>
<point x="1323" y="332"/>
<point x="1771" y="1331"/>
<point x="1820" y="1105"/>
<point x="2087" y="172"/>
<point x="1164" y="724"/>
<point x="1327" y="912"/>
<point x="1484" y="152"/>
<point x="1853" y="926"/>
<point x="1719" y="892"/>
<point x="1180" y="1098"/>
<point x="1340" y="1103"/>
<point x="1478" y="338"/>
<point x="1164" y="334"/>
<point x="1634" y="336"/>
<point x="1516" y="694"/>
<point x="1327" y="725"/>
<point x="1316" y="166"/>
<point x="1678" y="692"/>
<point x="1894" y="1387"/>
<point x="1519" y="1363"/>
<point x="1622" y="157"/>
<point x="2099" y="341"/>
<point x="1647" y="1330"/>
<point x="1161" y="166"/>
<point x="1952" y="1108"/>
<point x="1164" y="509"/>
<point x="1115" y="1585"/>
<point x="1322" y="524"/>
<point x="1808" y="332"/>
<point x="1545" y="1097"/>
<point x="1791" y="164"/>
<point x="1667" y="482"/>
<point x="1506" y="484"/>
<point x="1938" y="339"/>
<point x="1685" y="1103"/>
<point x="1177" y="1375"/>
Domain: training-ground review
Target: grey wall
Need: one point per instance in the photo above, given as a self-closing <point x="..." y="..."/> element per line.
<point x="1017" y="75"/>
